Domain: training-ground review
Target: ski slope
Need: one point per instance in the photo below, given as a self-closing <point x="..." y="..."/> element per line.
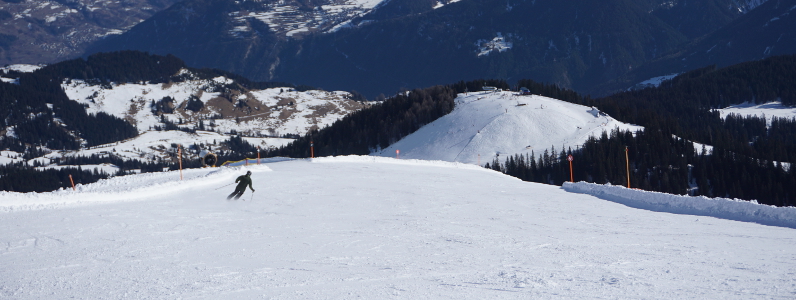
<point x="373" y="228"/>
<point x="485" y="124"/>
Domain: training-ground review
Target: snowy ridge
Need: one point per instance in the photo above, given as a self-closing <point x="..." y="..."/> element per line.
<point x="136" y="187"/>
<point x="730" y="209"/>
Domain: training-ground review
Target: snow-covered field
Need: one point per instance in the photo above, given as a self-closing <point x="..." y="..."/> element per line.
<point x="767" y="110"/>
<point x="485" y="124"/>
<point x="373" y="228"/>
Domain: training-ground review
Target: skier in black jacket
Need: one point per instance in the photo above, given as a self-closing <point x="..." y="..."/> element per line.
<point x="242" y="181"/>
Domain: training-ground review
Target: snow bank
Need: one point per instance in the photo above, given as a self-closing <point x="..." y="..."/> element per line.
<point x="136" y="187"/>
<point x="730" y="209"/>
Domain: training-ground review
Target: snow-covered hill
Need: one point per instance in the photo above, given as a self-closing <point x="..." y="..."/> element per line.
<point x="216" y="108"/>
<point x="273" y="111"/>
<point x="485" y="124"/>
<point x="374" y="228"/>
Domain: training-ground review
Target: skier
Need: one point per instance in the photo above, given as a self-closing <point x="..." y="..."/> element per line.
<point x="242" y="181"/>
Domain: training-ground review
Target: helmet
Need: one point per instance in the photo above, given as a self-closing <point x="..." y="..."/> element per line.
<point x="248" y="173"/>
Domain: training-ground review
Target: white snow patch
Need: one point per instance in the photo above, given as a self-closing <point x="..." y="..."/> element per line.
<point x="25" y="68"/>
<point x="440" y="4"/>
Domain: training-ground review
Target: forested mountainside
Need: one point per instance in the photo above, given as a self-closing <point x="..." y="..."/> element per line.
<point x="745" y="157"/>
<point x="416" y="44"/>
<point x="44" y="31"/>
<point x="763" y="32"/>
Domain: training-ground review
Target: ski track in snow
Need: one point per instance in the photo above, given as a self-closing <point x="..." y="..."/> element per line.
<point x="373" y="228"/>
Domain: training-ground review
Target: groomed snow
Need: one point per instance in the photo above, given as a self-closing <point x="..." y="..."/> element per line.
<point x="484" y="124"/>
<point x="374" y="228"/>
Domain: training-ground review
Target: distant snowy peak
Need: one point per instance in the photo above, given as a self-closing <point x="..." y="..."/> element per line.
<point x="289" y="19"/>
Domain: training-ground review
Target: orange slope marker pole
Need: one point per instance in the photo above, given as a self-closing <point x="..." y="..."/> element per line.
<point x="179" y="153"/>
<point x="627" y="160"/>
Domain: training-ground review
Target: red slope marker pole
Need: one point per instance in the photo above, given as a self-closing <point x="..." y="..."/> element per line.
<point x="73" y="182"/>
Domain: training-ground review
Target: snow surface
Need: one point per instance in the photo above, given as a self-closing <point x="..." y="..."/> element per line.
<point x="484" y="124"/>
<point x="373" y="228"/>
<point x="768" y="110"/>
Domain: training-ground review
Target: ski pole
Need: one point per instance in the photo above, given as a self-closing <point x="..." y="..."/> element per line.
<point x="225" y="186"/>
<point x="252" y="197"/>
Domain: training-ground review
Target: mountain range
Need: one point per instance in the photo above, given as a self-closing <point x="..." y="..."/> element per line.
<point x="383" y="47"/>
<point x="45" y="32"/>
